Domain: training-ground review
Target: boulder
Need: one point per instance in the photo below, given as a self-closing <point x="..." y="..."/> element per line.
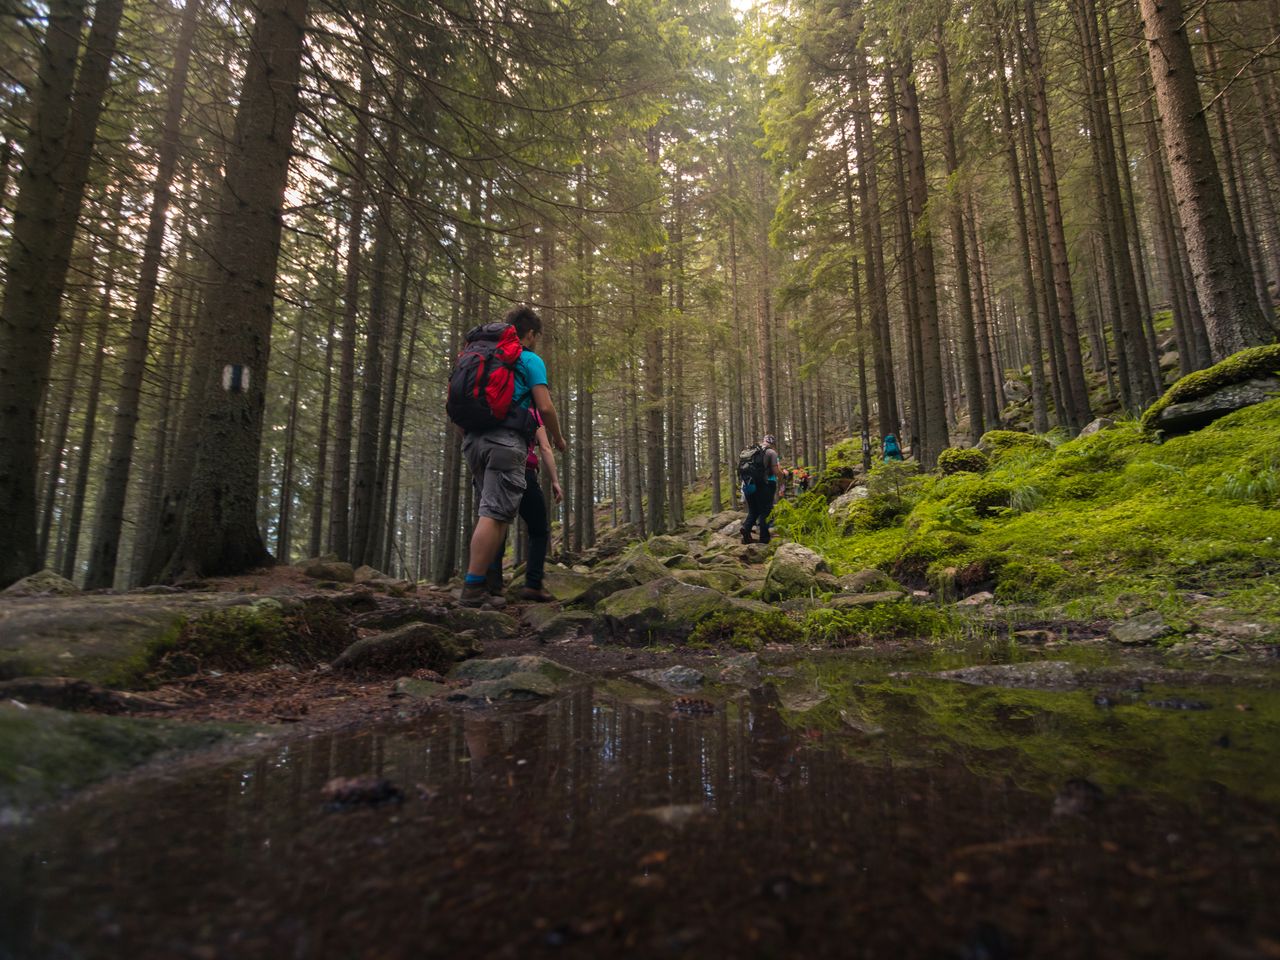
<point x="1031" y="675"/>
<point x="635" y="568"/>
<point x="1097" y="426"/>
<point x="725" y="581"/>
<point x="1143" y="629"/>
<point x="1169" y="360"/>
<point x="979" y="599"/>
<point x="44" y="583"/>
<point x="513" y="678"/>
<point x="334" y="570"/>
<point x="676" y="679"/>
<point x="366" y="573"/>
<point x="105" y="639"/>
<point x="742" y="670"/>
<point x="487" y="624"/>
<point x="1016" y="391"/>
<point x="664" y="610"/>
<point x="726" y="518"/>
<point x="564" y="584"/>
<point x="1191" y="415"/>
<point x="841" y="504"/>
<point x="795" y="571"/>
<point x="665" y="546"/>
<point x="45" y="753"/>
<point x="411" y="647"/>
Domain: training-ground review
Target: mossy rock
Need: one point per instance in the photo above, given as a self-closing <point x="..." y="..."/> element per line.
<point x="796" y="571"/>
<point x="962" y="460"/>
<point x="1000" y="442"/>
<point x="486" y="624"/>
<point x="725" y="581"/>
<point x="1258" y="364"/>
<point x="746" y="629"/>
<point x="987" y="498"/>
<point x="42" y="584"/>
<point x="635" y="568"/>
<point x="528" y="677"/>
<point x="565" y="585"/>
<point x="411" y="647"/>
<point x="47" y="753"/>
<point x="665" y="546"/>
<point x="664" y="610"/>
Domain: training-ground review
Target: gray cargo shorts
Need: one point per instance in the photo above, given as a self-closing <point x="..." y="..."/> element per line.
<point x="496" y="459"/>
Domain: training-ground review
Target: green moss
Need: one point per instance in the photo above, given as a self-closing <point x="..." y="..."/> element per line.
<point x="845" y="457"/>
<point x="987" y="498"/>
<point x="962" y="460"/>
<point x="1000" y="442"/>
<point x="745" y="630"/>
<point x="880" y="621"/>
<point x="1246" y="365"/>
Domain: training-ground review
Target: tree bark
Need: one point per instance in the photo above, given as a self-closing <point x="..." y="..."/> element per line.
<point x="1233" y="317"/>
<point x="218" y="530"/>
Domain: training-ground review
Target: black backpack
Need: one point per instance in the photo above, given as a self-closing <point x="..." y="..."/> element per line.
<point x="751" y="465"/>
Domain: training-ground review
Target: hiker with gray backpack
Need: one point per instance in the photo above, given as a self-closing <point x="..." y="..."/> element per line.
<point x="761" y="475"/>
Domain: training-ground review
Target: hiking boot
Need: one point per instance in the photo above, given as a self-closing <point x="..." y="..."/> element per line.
<point x="746" y="537"/>
<point x="493" y="583"/>
<point x="477" y="595"/>
<point x="536" y="595"/>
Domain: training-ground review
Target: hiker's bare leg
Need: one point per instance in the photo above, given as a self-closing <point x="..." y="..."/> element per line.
<point x="486" y="541"/>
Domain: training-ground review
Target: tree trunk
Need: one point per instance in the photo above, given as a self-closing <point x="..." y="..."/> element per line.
<point x="1232" y="314"/>
<point x="218" y="530"/>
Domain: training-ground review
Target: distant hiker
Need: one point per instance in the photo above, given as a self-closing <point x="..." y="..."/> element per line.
<point x="496" y="379"/>
<point x="802" y="482"/>
<point x="533" y="510"/>
<point x="762" y="482"/>
<point x="891" y="449"/>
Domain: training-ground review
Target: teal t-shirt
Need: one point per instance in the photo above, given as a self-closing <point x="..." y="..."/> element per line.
<point x="530" y="372"/>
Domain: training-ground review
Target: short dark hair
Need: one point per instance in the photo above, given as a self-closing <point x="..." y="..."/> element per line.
<point x="524" y="319"/>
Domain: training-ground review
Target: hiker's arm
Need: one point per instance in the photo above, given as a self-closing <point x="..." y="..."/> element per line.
<point x="549" y="461"/>
<point x="542" y="400"/>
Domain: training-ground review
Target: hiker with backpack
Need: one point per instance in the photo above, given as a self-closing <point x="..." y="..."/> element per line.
<point x="890" y="448"/>
<point x="762" y="482"/>
<point x="497" y="378"/>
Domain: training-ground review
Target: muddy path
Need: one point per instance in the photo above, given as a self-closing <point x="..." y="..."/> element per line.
<point x="848" y="806"/>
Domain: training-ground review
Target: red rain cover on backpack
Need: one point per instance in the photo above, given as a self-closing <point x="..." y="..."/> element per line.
<point x="484" y="379"/>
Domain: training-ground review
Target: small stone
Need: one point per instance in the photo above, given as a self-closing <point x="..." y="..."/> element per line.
<point x="977" y="600"/>
<point x="1143" y="629"/>
<point x="1097" y="426"/>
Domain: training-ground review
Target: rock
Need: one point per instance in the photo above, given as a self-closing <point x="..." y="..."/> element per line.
<point x="107" y="640"/>
<point x="741" y="670"/>
<point x="1177" y="703"/>
<point x="726" y="518"/>
<point x="1169" y="360"/>
<point x="724" y="581"/>
<point x="513" y="678"/>
<point x="841" y="504"/>
<point x="867" y="581"/>
<point x="1032" y="675"/>
<point x="979" y="599"/>
<point x="665" y="546"/>
<point x="1016" y="391"/>
<point x="674" y="679"/>
<point x="66" y="693"/>
<point x="1035" y="636"/>
<point x="635" y="568"/>
<point x="366" y="573"/>
<point x="487" y="624"/>
<point x="1097" y="426"/>
<point x="565" y="625"/>
<point x="802" y="699"/>
<point x="793" y="571"/>
<point x="45" y="753"/>
<point x="408" y="648"/>
<point x="565" y="585"/>
<point x="1143" y="629"/>
<point x="45" y="583"/>
<point x="334" y="570"/>
<point x="664" y="610"/>
<point x="680" y="561"/>
<point x="846" y="601"/>
<point x="1176" y="418"/>
<point x="347" y="793"/>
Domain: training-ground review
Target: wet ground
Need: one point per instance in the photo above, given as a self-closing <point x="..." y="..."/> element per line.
<point x="836" y="810"/>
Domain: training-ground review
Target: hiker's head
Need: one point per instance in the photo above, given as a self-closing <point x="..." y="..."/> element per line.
<point x="769" y="440"/>
<point x="527" y="323"/>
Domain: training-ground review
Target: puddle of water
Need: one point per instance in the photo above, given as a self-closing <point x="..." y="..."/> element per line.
<point x="894" y="818"/>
